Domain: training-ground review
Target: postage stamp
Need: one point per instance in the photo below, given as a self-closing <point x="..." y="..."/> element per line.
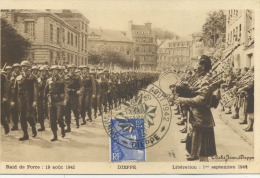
<point x="138" y="124"/>
<point x="121" y="130"/>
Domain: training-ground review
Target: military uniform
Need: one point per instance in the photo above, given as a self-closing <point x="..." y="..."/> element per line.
<point x="26" y="90"/>
<point x="72" y="98"/>
<point x="42" y="79"/>
<point x="14" y="109"/>
<point x="87" y="90"/>
<point x="55" y="91"/>
<point x="4" y="103"/>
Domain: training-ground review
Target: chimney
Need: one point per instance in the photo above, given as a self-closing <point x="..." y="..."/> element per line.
<point x="148" y="25"/>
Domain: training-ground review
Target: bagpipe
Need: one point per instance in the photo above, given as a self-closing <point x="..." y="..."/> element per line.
<point x="191" y="87"/>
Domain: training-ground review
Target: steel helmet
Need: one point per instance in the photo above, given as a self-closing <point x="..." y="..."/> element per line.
<point x="25" y="63"/>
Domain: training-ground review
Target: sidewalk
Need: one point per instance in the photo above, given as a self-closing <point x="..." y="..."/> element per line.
<point x="234" y="124"/>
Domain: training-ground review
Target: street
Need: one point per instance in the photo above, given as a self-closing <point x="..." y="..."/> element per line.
<point x="90" y="143"/>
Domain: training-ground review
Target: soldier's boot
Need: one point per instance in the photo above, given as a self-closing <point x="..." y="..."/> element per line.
<point x="77" y="123"/>
<point x="236" y="116"/>
<point x="62" y="132"/>
<point x="42" y="128"/>
<point x="68" y="128"/>
<point x="250" y="125"/>
<point x="34" y="132"/>
<point x="245" y="120"/>
<point x="15" y="127"/>
<point x="84" y="121"/>
<point x="7" y="129"/>
<point x="25" y="136"/>
<point x="55" y="136"/>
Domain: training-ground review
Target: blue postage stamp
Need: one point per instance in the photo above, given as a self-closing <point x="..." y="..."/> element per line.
<point x="124" y="134"/>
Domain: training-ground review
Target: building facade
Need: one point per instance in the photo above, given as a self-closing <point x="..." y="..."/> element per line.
<point x="54" y="39"/>
<point x="104" y="39"/>
<point x="144" y="46"/>
<point x="240" y="35"/>
<point x="175" y="53"/>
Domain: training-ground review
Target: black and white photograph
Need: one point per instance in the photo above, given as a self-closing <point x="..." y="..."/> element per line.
<point x="125" y="88"/>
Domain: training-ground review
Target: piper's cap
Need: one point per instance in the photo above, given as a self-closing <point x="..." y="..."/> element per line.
<point x="106" y="70"/>
<point x="54" y="67"/>
<point x="203" y="57"/>
<point x="70" y="66"/>
<point x="8" y="67"/>
<point x="16" y="65"/>
<point x="25" y="63"/>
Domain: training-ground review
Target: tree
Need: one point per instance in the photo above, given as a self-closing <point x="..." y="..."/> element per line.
<point x="163" y="34"/>
<point x="14" y="47"/>
<point x="214" y="29"/>
<point x="108" y="57"/>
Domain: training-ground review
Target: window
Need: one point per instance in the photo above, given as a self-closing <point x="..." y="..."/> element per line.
<point x="86" y="44"/>
<point x="76" y="41"/>
<point x="58" y="35"/>
<point x="82" y="44"/>
<point x="68" y="37"/>
<point x="51" y="32"/>
<point x="71" y="39"/>
<point x="127" y="52"/>
<point x="29" y="28"/>
<point x="63" y="35"/>
<point x="137" y="48"/>
<point x="144" y="40"/>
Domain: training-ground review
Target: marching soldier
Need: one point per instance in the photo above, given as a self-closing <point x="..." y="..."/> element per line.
<point x="72" y="89"/>
<point x="94" y="105"/>
<point x="98" y="92"/>
<point x="104" y="91"/>
<point x="87" y="90"/>
<point x="26" y="90"/>
<point x="14" y="110"/>
<point x="55" y="91"/>
<point x="4" y="87"/>
<point x="41" y="96"/>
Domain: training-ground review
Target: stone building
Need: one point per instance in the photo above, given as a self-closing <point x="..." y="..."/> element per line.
<point x="144" y="46"/>
<point x="175" y="53"/>
<point x="240" y="35"/>
<point x="104" y="39"/>
<point x="57" y="36"/>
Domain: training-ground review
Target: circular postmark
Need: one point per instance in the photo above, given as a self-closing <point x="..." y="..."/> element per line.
<point x="140" y="122"/>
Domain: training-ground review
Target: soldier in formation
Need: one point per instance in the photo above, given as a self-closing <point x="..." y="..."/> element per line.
<point x="34" y="94"/>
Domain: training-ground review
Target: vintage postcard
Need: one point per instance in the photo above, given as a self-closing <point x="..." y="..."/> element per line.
<point x="130" y="87"/>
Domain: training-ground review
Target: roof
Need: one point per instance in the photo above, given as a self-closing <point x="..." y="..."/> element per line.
<point x="163" y="43"/>
<point x="140" y="27"/>
<point x="183" y="38"/>
<point x="107" y="35"/>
